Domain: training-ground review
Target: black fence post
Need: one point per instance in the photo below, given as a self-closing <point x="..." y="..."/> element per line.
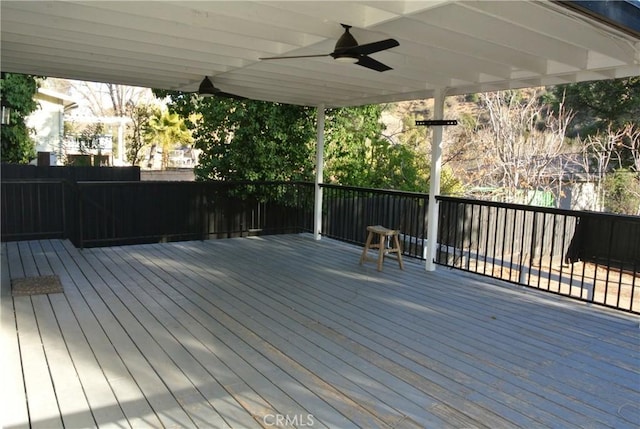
<point x="80" y="221"/>
<point x="203" y="212"/>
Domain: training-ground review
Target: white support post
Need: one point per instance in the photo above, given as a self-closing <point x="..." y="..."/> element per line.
<point x="121" y="156"/>
<point x="317" y="208"/>
<point x="434" y="182"/>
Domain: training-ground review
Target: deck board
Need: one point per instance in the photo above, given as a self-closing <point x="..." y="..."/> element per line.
<point x="193" y="326"/>
<point x="146" y="334"/>
<point x="43" y="405"/>
<point x="69" y="391"/>
<point x="113" y="394"/>
<point x="400" y="371"/>
<point x="136" y="291"/>
<point x="13" y="399"/>
<point x="234" y="333"/>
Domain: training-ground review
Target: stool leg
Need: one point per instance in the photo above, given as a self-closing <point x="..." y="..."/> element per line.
<point x="382" y="244"/>
<point x="397" y="245"/>
<point x="366" y="247"/>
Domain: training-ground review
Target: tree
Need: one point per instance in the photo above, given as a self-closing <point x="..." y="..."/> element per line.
<point x="257" y="140"/>
<point x="167" y="129"/>
<point x="417" y="141"/>
<point x="18" y="94"/>
<point x="89" y="137"/>
<point x="247" y="139"/>
<point x="359" y="154"/>
<point x="519" y="143"/>
<point x="603" y="159"/>
<point x="351" y="137"/>
<point x="137" y="130"/>
<point x="104" y="99"/>
<point x="622" y="192"/>
<point x="600" y="105"/>
<point x="607" y="122"/>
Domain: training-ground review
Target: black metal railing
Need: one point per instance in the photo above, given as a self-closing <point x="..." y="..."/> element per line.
<point x="594" y="257"/>
<point x="347" y="211"/>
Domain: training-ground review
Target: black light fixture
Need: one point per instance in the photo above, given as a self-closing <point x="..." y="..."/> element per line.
<point x="6" y="113"/>
<point x="206" y="88"/>
<point x="345" y="43"/>
<point x="6" y="107"/>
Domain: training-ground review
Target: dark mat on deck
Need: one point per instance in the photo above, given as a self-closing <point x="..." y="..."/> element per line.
<point x="36" y="285"/>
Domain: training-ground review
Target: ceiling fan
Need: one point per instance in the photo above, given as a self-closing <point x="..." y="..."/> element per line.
<point x="207" y="89"/>
<point x="347" y="50"/>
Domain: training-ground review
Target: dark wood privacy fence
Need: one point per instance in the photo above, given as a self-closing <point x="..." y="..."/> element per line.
<point x="593" y="257"/>
<point x="524" y="235"/>
<point x="114" y="213"/>
<point x="143" y="212"/>
<point x="37" y="209"/>
<point x="71" y="173"/>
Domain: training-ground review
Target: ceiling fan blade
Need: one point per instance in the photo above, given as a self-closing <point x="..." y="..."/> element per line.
<point x="295" y="56"/>
<point x="347" y="50"/>
<point x="228" y="95"/>
<point x="208" y="89"/>
<point x="372" y="64"/>
<point x="370" y="48"/>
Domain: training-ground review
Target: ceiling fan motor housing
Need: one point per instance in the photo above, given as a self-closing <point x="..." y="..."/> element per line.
<point x="207" y="89"/>
<point x="345" y="42"/>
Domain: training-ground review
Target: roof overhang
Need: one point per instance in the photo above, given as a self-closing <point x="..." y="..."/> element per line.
<point x="55" y="97"/>
<point x="462" y="46"/>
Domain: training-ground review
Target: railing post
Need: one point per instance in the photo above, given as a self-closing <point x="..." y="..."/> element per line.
<point x="317" y="210"/>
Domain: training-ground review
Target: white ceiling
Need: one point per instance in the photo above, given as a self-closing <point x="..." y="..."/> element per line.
<point x="464" y="46"/>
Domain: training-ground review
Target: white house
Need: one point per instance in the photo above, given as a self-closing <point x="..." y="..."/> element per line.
<point x="47" y="123"/>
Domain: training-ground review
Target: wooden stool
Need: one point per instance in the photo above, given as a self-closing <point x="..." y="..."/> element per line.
<point x="383" y="235"/>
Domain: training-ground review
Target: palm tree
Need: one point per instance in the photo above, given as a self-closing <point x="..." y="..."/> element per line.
<point x="168" y="130"/>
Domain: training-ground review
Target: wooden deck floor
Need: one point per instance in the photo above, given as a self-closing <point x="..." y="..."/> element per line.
<point x="285" y="331"/>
